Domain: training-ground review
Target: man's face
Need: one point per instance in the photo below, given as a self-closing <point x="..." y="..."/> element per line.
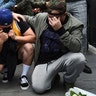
<point x="57" y="14"/>
<point x="5" y="29"/>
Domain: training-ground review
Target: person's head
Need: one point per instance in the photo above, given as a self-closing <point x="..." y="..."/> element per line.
<point x="57" y="8"/>
<point x="6" y="19"/>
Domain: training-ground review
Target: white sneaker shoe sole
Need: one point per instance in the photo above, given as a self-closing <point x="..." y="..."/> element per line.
<point x="4" y="81"/>
<point x="24" y="88"/>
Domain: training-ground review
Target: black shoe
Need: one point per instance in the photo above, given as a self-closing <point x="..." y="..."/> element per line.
<point x="87" y="69"/>
<point x="5" y="77"/>
<point x="24" y="83"/>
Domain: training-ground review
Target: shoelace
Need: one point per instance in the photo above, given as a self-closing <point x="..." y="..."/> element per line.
<point x="24" y="80"/>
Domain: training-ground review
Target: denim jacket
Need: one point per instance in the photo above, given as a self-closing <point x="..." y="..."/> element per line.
<point x="7" y="3"/>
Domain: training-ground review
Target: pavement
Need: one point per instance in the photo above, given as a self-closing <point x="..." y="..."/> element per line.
<point x="85" y="81"/>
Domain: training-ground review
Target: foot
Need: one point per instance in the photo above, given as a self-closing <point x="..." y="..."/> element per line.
<point x="87" y="69"/>
<point x="5" y="77"/>
<point x="24" y="83"/>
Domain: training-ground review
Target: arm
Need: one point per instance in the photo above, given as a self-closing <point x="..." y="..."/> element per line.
<point x="27" y="37"/>
<point x="71" y="39"/>
<point x="3" y="38"/>
<point x="25" y="18"/>
<point x="17" y="16"/>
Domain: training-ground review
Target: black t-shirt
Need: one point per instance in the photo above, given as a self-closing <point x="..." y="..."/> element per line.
<point x="23" y="26"/>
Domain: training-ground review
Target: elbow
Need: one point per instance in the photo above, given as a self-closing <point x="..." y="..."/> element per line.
<point x="76" y="48"/>
<point x="33" y="39"/>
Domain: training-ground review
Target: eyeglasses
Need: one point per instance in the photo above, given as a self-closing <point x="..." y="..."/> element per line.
<point x="55" y="14"/>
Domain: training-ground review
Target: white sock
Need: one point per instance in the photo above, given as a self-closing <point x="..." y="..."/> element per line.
<point x="25" y="69"/>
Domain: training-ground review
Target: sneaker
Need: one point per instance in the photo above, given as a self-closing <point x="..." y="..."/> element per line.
<point x="24" y="83"/>
<point x="87" y="70"/>
<point x="5" y="77"/>
<point x="67" y="86"/>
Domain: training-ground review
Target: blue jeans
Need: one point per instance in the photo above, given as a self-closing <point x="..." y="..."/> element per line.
<point x="8" y="4"/>
<point x="79" y="10"/>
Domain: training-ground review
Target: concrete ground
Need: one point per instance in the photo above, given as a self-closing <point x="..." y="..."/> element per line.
<point x="85" y="81"/>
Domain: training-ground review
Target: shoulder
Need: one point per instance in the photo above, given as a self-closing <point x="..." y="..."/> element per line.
<point x="42" y="15"/>
<point x="22" y="26"/>
<point x="74" y="21"/>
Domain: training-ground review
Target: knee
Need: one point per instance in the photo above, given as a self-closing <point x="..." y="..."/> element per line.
<point x="81" y="61"/>
<point x="80" y="58"/>
<point x="81" y="65"/>
<point x="78" y="61"/>
<point x="1" y="68"/>
<point x="38" y="89"/>
<point x="29" y="48"/>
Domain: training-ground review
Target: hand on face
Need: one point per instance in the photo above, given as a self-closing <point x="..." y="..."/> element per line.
<point x="55" y="23"/>
<point x="3" y="36"/>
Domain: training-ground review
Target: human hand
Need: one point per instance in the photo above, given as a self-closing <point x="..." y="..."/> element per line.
<point x="3" y="36"/>
<point x="17" y="16"/>
<point x="55" y="23"/>
<point x="12" y="34"/>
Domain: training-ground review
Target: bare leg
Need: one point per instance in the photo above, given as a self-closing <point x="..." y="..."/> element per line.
<point x="26" y="53"/>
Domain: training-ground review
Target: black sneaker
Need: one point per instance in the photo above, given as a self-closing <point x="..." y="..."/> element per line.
<point x="5" y="77"/>
<point x="87" y="70"/>
<point x="24" y="83"/>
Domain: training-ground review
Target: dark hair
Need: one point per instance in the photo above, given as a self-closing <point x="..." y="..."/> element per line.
<point x="59" y="5"/>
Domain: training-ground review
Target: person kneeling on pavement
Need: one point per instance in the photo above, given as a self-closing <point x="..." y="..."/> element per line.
<point x="57" y="48"/>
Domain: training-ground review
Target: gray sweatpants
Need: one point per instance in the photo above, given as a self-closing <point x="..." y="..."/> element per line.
<point x="71" y="63"/>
